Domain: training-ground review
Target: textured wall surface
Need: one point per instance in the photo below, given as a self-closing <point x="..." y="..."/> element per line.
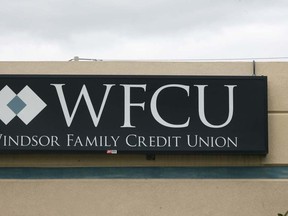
<point x="143" y="197"/>
<point x="152" y="196"/>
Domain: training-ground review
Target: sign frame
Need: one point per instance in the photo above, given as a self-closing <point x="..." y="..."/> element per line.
<point x="131" y="79"/>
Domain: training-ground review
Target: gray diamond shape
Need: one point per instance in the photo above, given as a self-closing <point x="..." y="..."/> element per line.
<point x="16" y="105"/>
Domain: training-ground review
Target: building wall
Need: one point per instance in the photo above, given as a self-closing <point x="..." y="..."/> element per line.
<point x="153" y="196"/>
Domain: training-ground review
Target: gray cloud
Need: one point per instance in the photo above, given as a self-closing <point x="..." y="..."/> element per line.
<point x="134" y="28"/>
<point x="63" y="18"/>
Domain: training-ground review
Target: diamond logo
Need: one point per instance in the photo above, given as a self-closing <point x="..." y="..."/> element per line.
<point x="16" y="105"/>
<point x="26" y="105"/>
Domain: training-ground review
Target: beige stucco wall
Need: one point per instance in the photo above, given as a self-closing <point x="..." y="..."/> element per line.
<point x="151" y="196"/>
<point x="143" y="197"/>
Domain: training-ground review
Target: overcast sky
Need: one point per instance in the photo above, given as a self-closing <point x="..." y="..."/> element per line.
<point x="142" y="30"/>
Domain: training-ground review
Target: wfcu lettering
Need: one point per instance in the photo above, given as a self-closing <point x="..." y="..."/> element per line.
<point x="153" y="104"/>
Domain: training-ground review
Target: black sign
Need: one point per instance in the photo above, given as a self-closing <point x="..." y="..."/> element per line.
<point x="133" y="114"/>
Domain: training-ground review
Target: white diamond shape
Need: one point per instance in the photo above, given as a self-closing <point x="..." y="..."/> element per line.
<point x="6" y="114"/>
<point x="34" y="105"/>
